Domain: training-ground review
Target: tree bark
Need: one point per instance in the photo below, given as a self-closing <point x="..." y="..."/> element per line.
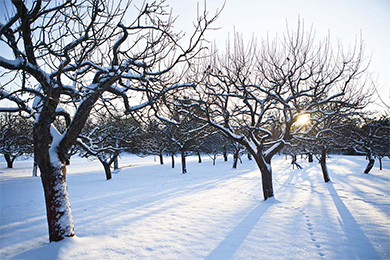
<point x="266" y="176"/>
<point x="294" y="162"/>
<point x="35" y="169"/>
<point x="161" y="157"/>
<point x="107" y="168"/>
<point x="310" y="157"/>
<point x="173" y="160"/>
<point x="225" y="156"/>
<point x="323" y="164"/>
<point x="370" y="165"/>
<point x="10" y="160"/>
<point x="380" y="163"/>
<point x="116" y="163"/>
<point x="52" y="166"/>
<point x="183" y="162"/>
<point x="235" y="159"/>
<point x="371" y="162"/>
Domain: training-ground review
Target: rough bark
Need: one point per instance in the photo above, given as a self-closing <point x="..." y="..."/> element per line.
<point x="266" y="175"/>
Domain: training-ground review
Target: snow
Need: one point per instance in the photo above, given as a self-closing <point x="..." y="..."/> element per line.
<point x="53" y="150"/>
<point x="150" y="211"/>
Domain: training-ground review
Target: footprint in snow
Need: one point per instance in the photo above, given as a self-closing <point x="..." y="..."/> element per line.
<point x="310" y="228"/>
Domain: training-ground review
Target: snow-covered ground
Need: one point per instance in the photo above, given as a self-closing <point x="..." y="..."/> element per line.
<point x="150" y="211"/>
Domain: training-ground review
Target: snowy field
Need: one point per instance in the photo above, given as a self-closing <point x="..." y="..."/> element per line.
<point x="150" y="211"/>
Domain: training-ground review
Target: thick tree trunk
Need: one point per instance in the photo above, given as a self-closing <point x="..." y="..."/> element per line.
<point x="371" y="162"/>
<point x="58" y="211"/>
<point x="323" y="165"/>
<point x="10" y="160"/>
<point x="266" y="176"/>
<point x="53" y="175"/>
<point x="173" y="160"/>
<point x="183" y="162"/>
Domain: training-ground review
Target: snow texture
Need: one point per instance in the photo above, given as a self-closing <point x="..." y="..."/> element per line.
<point x="150" y="211"/>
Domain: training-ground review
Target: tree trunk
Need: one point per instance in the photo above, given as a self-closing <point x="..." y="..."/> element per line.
<point x="214" y="159"/>
<point x="183" y="162"/>
<point x="53" y="175"/>
<point x="225" y="156"/>
<point x="107" y="168"/>
<point x="173" y="160"/>
<point x="10" y="160"/>
<point x="266" y="176"/>
<point x="116" y="163"/>
<point x="323" y="164"/>
<point x="310" y="157"/>
<point x="35" y="169"/>
<point x="161" y="157"/>
<point x="294" y="162"/>
<point x="371" y="162"/>
<point x="235" y="159"/>
<point x="380" y="163"/>
<point x="199" y="158"/>
<point x="58" y="211"/>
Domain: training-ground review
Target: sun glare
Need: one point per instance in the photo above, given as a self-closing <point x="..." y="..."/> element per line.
<point x="303" y="119"/>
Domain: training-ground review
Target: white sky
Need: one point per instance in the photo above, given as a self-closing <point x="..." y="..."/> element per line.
<point x="344" y="19"/>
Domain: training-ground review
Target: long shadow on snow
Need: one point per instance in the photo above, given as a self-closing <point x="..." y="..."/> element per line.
<point x="233" y="241"/>
<point x="125" y="205"/>
<point x="359" y="246"/>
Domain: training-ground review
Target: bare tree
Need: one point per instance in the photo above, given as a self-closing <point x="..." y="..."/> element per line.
<point x="15" y="137"/>
<point x="248" y="92"/>
<point x="70" y="56"/>
<point x="370" y="136"/>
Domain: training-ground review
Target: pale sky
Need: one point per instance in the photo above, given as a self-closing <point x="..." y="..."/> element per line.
<point x="344" y="19"/>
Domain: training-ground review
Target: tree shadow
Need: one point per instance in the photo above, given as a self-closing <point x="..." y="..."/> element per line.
<point x="46" y="251"/>
<point x="358" y="245"/>
<point x="227" y="248"/>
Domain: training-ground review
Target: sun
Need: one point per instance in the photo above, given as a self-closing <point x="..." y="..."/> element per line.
<point x="303" y="119"/>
